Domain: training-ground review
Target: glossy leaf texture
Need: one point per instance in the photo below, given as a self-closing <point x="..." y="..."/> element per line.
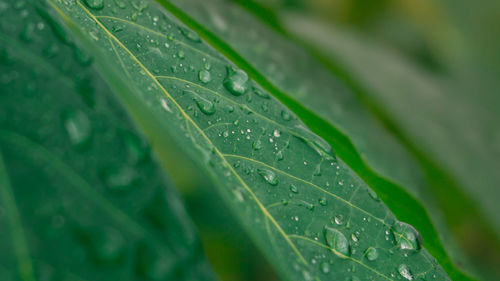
<point x="359" y="138"/>
<point x="308" y="211"/>
<point x="81" y="194"/>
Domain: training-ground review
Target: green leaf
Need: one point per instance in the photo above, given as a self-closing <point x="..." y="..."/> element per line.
<point x="81" y="194"/>
<point x="375" y="153"/>
<point x="308" y="211"/>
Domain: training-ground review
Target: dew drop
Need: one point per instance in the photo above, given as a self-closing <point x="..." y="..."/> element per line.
<point x="337" y="241"/>
<point x="269" y="176"/>
<point x="294" y="189"/>
<point x="257" y="145"/>
<point x="339" y="219"/>
<point x="78" y="127"/>
<point x="204" y="76"/>
<point x="119" y="179"/>
<point x="404" y="271"/>
<point x="95" y="4"/>
<point x="236" y="81"/>
<point x="371" y="254"/>
<point x="286" y="115"/>
<point x="106" y="246"/>
<point x="406" y="236"/>
<point x="205" y="106"/>
<point x="189" y="34"/>
<point x="261" y="94"/>
<point x="322" y="201"/>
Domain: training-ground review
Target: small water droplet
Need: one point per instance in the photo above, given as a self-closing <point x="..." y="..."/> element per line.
<point x="95" y="4"/>
<point x="371" y="254"/>
<point x="404" y="270"/>
<point x="339" y="219"/>
<point x="78" y="127"/>
<point x="204" y="76"/>
<point x="406" y="236"/>
<point x="269" y="176"/>
<point x="294" y="189"/>
<point x="337" y="241"/>
<point x="373" y="195"/>
<point x="236" y="81"/>
<point x="257" y="145"/>
<point x="322" y="201"/>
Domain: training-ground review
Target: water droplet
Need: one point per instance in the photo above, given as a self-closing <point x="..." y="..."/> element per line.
<point x="322" y="201"/>
<point x="286" y="115"/>
<point x="269" y="176"/>
<point x="236" y="81"/>
<point x="205" y="76"/>
<point x="119" y="179"/>
<point x="339" y="219"/>
<point x="181" y="54"/>
<point x="205" y="106"/>
<point x="337" y="241"/>
<point x="78" y="127"/>
<point x="95" y="4"/>
<point x="371" y="254"/>
<point x="276" y="133"/>
<point x="406" y="236"/>
<point x="256" y="145"/>
<point x="373" y="195"/>
<point x="325" y="267"/>
<point x="261" y="94"/>
<point x="294" y="189"/>
<point x="404" y="270"/>
<point x="189" y="34"/>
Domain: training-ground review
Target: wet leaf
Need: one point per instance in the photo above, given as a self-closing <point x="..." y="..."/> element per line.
<point x="153" y="62"/>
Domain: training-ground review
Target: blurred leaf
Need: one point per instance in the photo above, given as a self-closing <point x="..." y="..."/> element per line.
<point x="306" y="209"/>
<point x="81" y="195"/>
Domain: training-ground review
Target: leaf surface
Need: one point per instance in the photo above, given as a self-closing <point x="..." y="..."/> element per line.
<point x="81" y="194"/>
<point x="375" y="153"/>
<point x="310" y="213"/>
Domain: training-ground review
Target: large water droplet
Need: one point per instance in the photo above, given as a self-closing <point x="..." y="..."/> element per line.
<point x="406" y="236"/>
<point x="371" y="254"/>
<point x="261" y="93"/>
<point x="236" y="81"/>
<point x="78" y="127"/>
<point x="404" y="270"/>
<point x="95" y="4"/>
<point x="189" y="34"/>
<point x="269" y="176"/>
<point x="205" y="106"/>
<point x="337" y="241"/>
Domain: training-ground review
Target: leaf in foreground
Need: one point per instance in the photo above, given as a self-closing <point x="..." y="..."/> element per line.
<point x="311" y="215"/>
